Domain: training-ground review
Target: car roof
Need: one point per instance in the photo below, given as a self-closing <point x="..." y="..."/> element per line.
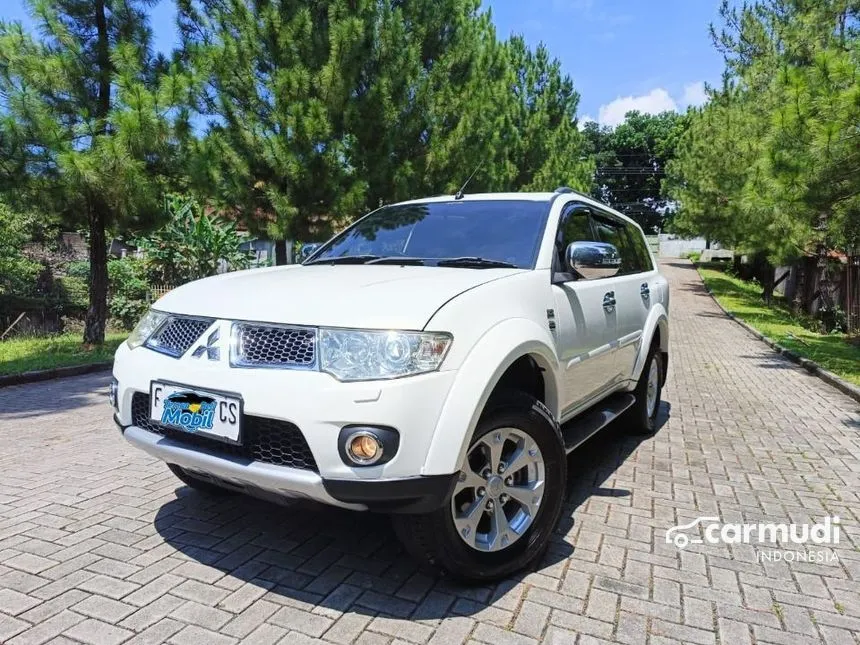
<point x="534" y="197"/>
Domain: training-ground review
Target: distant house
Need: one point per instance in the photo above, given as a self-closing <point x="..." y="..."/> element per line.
<point x="263" y="251"/>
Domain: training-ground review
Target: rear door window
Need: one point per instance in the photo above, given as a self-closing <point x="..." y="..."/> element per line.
<point x="613" y="231"/>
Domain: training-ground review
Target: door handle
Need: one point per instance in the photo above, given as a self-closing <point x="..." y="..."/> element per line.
<point x="645" y="290"/>
<point x="609" y="301"/>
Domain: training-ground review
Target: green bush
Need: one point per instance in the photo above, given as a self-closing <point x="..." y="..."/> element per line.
<point x="692" y="255"/>
<point x="128" y="291"/>
<point x="78" y="269"/>
<point x="19" y="275"/>
<point x="73" y="294"/>
<point x="191" y="245"/>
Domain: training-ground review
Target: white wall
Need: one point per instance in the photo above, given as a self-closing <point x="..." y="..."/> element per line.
<point x="671" y="246"/>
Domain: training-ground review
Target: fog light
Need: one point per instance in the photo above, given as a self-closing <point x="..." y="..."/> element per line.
<point x="364" y="448"/>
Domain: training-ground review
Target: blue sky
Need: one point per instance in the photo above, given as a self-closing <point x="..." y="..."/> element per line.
<point x="649" y="55"/>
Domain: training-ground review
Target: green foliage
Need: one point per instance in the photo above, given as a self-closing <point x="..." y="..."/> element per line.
<point x="90" y="121"/>
<point x="78" y="269"/>
<point x="18" y="273"/>
<point x="73" y="295"/>
<point x="693" y="256"/>
<point x="25" y="354"/>
<point x="191" y="245"/>
<point x="129" y="291"/>
<point x="631" y="160"/>
<point x="771" y="164"/>
<point x="320" y="111"/>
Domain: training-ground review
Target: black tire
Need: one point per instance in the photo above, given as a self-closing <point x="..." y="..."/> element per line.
<point x="638" y="419"/>
<point x="433" y="537"/>
<point x="198" y="484"/>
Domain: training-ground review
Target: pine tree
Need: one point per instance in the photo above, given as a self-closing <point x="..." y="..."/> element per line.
<point x="280" y="82"/>
<point x="88" y="116"/>
<point x="772" y="164"/>
<point x="320" y="111"/>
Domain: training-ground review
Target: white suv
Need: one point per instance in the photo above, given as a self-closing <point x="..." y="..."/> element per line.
<point x="436" y="360"/>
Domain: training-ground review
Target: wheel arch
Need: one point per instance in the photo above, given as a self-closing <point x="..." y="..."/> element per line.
<point x="502" y="356"/>
<point x="656" y="330"/>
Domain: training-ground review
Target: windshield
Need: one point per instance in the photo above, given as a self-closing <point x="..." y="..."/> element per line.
<point x="475" y="234"/>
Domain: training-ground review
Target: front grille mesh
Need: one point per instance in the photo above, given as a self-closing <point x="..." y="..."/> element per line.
<point x="274" y="346"/>
<point x="267" y="440"/>
<point x="177" y="334"/>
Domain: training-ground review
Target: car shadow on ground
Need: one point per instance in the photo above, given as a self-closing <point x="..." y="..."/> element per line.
<point x="341" y="560"/>
<point x="47" y="397"/>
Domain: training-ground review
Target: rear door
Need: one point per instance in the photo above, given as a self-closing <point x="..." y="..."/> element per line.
<point x="632" y="285"/>
<point x="584" y="328"/>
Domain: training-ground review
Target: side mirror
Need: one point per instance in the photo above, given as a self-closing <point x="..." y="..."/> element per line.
<point x="593" y="260"/>
<point x="308" y="250"/>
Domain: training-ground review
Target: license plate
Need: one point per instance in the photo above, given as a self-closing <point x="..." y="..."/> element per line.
<point x="212" y="414"/>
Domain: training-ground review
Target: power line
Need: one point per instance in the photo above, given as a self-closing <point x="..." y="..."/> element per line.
<point x="631" y="170"/>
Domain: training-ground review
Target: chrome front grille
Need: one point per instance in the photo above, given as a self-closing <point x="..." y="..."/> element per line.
<point x="259" y="345"/>
<point x="177" y="334"/>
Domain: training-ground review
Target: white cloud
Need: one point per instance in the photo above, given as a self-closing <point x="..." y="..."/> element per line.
<point x="694" y="94"/>
<point x="656" y="101"/>
<point x="583" y="120"/>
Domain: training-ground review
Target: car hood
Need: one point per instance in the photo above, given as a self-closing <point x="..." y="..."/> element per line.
<point x="370" y="296"/>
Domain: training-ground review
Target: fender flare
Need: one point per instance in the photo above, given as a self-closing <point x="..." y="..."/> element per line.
<point x="657" y="319"/>
<point x="476" y="378"/>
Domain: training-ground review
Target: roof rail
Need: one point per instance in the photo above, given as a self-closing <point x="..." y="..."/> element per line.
<point x="566" y="189"/>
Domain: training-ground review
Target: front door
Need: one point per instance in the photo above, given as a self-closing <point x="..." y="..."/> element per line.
<point x="585" y="322"/>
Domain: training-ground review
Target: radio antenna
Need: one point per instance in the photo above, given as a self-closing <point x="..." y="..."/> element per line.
<point x="459" y="193"/>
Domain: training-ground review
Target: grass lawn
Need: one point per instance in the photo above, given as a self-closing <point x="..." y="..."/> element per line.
<point x="39" y="353"/>
<point x="743" y="299"/>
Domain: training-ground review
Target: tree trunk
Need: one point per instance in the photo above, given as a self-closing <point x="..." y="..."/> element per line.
<point x="764" y="273"/>
<point x="94" y="329"/>
<point x="280" y="252"/>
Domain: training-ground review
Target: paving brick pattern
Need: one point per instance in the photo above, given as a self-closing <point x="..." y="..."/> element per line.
<point x="101" y="544"/>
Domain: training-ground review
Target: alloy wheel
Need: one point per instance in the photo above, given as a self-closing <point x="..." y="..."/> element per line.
<point x="499" y="491"/>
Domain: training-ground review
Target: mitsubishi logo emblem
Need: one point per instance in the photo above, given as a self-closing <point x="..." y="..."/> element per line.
<point x="210" y="348"/>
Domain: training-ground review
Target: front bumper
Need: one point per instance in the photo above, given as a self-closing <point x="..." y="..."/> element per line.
<point x="319" y="406"/>
<point x="407" y="495"/>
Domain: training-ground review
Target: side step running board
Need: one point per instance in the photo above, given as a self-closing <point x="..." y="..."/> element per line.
<point x="580" y="428"/>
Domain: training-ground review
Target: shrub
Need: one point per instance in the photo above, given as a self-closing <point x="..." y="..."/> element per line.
<point x="191" y="245"/>
<point x="78" y="269"/>
<point x="128" y="291"/>
<point x="19" y="275"/>
<point x="73" y="295"/>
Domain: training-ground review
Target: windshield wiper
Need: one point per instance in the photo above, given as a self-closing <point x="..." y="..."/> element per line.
<point x="476" y="262"/>
<point x="397" y="259"/>
<point x="345" y="259"/>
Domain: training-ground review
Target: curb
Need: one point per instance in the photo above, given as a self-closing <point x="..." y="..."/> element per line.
<point x="56" y="372"/>
<point x="810" y="366"/>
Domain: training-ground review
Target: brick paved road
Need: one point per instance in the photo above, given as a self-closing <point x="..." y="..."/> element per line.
<point x="100" y="544"/>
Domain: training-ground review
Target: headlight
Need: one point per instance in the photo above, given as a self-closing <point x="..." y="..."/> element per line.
<point x="353" y="355"/>
<point x="151" y="320"/>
